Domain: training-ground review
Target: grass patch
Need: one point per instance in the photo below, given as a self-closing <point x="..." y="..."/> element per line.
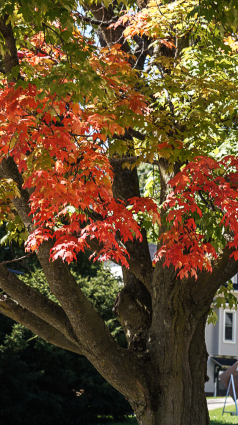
<point x="209" y="398"/>
<point x="216" y="417"/>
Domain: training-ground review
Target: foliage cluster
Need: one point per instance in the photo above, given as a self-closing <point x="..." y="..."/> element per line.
<point x="59" y="132"/>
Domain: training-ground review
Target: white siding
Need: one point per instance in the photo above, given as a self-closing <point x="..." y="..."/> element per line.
<point x="215" y="337"/>
<point x="114" y="268"/>
<point x="209" y="332"/>
<point x="228" y="348"/>
<point x="209" y="337"/>
<point x="210" y="385"/>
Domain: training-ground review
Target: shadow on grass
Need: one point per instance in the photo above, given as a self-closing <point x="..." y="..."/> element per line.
<point x="130" y="421"/>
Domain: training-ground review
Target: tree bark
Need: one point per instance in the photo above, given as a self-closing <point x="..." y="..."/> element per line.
<point x="177" y="382"/>
<point x="175" y="369"/>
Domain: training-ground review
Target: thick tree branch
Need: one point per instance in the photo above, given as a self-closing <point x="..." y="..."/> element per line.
<point x="108" y="358"/>
<point x="223" y="269"/>
<point x="86" y="322"/>
<point x="41" y="328"/>
<point x="36" y="303"/>
<point x="166" y="174"/>
<point x="9" y="170"/>
<point x="131" y="160"/>
<point x="126" y="186"/>
<point x="134" y="311"/>
<point x="136" y="133"/>
<point x="10" y="58"/>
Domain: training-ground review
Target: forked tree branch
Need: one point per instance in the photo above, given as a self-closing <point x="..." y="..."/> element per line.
<point x="88" y="326"/>
<point x="36" y="303"/>
<point x="10" y="58"/>
<point x="9" y="170"/>
<point x="41" y="328"/>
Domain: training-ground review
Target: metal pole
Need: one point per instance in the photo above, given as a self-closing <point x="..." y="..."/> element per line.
<point x="231" y="382"/>
<point x="234" y="393"/>
<point x="227" y="393"/>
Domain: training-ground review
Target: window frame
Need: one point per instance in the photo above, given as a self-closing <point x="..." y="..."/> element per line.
<point x="228" y="341"/>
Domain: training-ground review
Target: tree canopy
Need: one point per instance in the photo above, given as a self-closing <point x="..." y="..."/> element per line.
<point x="90" y="93"/>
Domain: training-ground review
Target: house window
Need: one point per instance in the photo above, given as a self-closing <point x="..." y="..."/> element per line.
<point x="229" y="326"/>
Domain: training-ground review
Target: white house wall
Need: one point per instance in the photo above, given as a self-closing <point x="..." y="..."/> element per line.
<point x="209" y="337"/>
<point x="227" y="348"/>
<point x="210" y="385"/>
<point x="215" y="336"/>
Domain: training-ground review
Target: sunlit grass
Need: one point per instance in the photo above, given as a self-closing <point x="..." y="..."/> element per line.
<point x="216" y="418"/>
<point x="214" y="398"/>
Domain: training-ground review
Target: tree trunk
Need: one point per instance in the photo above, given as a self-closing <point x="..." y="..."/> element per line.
<point x="175" y="367"/>
<point x="176" y="379"/>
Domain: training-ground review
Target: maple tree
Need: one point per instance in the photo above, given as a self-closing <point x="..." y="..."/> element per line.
<point x="88" y="93"/>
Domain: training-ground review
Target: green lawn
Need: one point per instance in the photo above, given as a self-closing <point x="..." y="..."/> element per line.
<point x="209" y="398"/>
<point x="216" y="418"/>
